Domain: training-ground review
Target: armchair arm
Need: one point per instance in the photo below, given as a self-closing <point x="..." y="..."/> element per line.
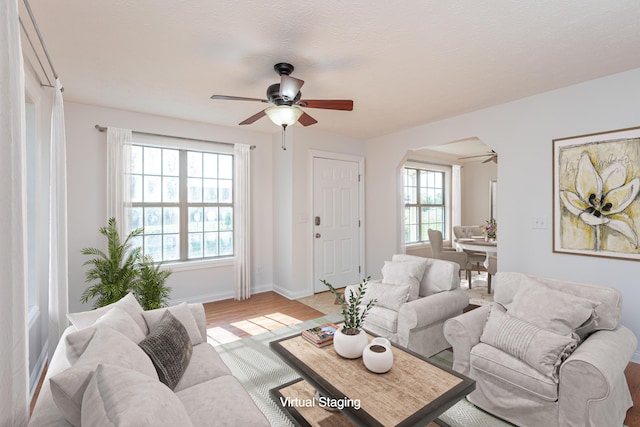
<point x="455" y="256"/>
<point x="431" y="309"/>
<point x="593" y="373"/>
<point x="463" y="332"/>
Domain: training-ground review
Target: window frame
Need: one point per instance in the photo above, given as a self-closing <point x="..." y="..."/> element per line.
<point x="183" y="204"/>
<point x="445" y="205"/>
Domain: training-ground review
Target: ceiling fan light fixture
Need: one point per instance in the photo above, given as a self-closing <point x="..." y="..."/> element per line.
<point x="283" y="115"/>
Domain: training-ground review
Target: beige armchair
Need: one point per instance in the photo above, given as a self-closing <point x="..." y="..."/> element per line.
<point x="415" y="297"/>
<point x="466" y="231"/>
<point x="449" y="254"/>
<point x="518" y="376"/>
<point x="492" y="269"/>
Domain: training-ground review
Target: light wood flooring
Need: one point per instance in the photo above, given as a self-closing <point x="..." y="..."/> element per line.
<point x="230" y="320"/>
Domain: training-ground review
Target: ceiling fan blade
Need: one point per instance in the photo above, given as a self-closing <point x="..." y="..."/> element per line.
<point x="328" y="104"/>
<point x="307" y="120"/>
<point x="236" y="98"/>
<point x="253" y="118"/>
<point x="289" y="87"/>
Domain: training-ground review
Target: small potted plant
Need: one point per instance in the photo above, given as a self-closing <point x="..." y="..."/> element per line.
<point x="350" y="340"/>
<point x="490" y="230"/>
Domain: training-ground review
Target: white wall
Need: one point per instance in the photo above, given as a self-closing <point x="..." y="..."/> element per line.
<point x="521" y="132"/>
<point x="86" y="162"/>
<point x="474" y="178"/>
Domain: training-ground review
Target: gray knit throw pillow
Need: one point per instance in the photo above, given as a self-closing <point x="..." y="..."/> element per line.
<point x="169" y="347"/>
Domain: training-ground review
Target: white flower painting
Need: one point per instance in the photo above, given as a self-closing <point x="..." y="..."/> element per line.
<point x="596" y="187"/>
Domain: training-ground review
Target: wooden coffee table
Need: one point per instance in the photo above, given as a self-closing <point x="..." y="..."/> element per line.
<point x="414" y="392"/>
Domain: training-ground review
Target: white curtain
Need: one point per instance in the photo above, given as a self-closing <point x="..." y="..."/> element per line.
<point x="118" y="175"/>
<point x="242" y="221"/>
<point x="456" y="196"/>
<point x="14" y="369"/>
<point x="401" y="209"/>
<point x="58" y="271"/>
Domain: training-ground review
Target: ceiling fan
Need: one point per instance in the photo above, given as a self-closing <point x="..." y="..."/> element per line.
<point x="492" y="157"/>
<point x="286" y="99"/>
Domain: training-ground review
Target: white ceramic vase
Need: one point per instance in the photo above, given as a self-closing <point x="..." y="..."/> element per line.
<point x="350" y="346"/>
<point x="378" y="356"/>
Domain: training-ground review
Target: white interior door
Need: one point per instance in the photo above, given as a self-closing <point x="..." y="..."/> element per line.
<point x="336" y="211"/>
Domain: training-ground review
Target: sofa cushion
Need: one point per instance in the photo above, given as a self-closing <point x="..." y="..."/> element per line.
<point x="116" y="318"/>
<point x="406" y="272"/>
<point x="107" y="346"/>
<point x="183" y="313"/>
<point x="118" y="396"/>
<point x="607" y="313"/>
<point x="439" y="275"/>
<point x="540" y="349"/>
<point x="550" y="309"/>
<point x="221" y="402"/>
<point x="386" y="295"/>
<point x="169" y="347"/>
<point x="383" y="318"/>
<point x="511" y="370"/>
<point x="205" y="365"/>
<point x="128" y="303"/>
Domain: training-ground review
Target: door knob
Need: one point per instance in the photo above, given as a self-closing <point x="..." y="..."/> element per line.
<point x="318" y="235"/>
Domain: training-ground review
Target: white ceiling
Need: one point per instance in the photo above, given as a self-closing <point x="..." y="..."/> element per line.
<point x="403" y="63"/>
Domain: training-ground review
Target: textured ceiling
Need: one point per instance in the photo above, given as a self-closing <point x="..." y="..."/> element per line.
<point x="403" y="63"/>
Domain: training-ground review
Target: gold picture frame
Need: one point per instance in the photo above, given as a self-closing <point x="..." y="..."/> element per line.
<point x="596" y="207"/>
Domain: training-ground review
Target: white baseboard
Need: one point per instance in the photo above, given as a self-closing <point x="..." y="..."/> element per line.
<point x="219" y="296"/>
<point x="288" y="294"/>
<point x="38" y="369"/>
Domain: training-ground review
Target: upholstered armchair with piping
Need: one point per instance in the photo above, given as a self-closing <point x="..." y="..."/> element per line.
<point x="415" y="297"/>
<point x="467" y="231"/>
<point x="547" y="352"/>
<point x="449" y="254"/>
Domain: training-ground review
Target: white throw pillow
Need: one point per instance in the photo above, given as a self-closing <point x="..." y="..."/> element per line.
<point x="119" y="397"/>
<point x="183" y="313"/>
<point x="116" y="318"/>
<point x="388" y="296"/>
<point x="404" y="273"/>
<point x="107" y="346"/>
<point x="128" y="303"/>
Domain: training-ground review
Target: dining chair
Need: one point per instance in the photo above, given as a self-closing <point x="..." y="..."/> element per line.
<point x="440" y="252"/>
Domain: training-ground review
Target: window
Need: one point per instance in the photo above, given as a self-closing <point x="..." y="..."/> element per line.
<point x="425" y="203"/>
<point x="184" y="201"/>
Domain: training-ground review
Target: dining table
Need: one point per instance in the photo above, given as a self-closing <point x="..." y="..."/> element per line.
<point x="479" y="244"/>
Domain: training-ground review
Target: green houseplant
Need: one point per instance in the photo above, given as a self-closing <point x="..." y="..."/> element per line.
<point x="350" y="340"/>
<point x="123" y="269"/>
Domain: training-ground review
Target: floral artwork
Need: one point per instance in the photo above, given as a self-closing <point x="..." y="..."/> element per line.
<point x="596" y="185"/>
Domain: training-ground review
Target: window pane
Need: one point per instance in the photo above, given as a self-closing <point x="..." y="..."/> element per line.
<point x="195" y="245"/>
<point x="225" y="166"/>
<point x="171" y="190"/>
<point x="137" y="242"/>
<point x="152" y="161"/>
<point x="136" y="159"/>
<point x="437" y="197"/>
<point x="135" y="218"/>
<point x="226" y="243"/>
<point x="171" y="247"/>
<point x="136" y="188"/>
<point x="410" y="195"/>
<point x="210" y="167"/>
<point x="196" y="219"/>
<point x="210" y="219"/>
<point x="210" y="190"/>
<point x="226" y="219"/>
<point x="152" y="189"/>
<point x="194" y="190"/>
<point x="171" y="220"/>
<point x="411" y="178"/>
<point x="210" y="244"/>
<point x="152" y="221"/>
<point x="153" y="246"/>
<point x="171" y="162"/>
<point x="226" y="193"/>
<point x="194" y="164"/>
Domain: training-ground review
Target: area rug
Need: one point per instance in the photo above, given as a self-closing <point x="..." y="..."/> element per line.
<point x="259" y="369"/>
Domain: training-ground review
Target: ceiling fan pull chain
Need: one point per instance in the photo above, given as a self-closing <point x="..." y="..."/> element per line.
<point x="284" y="129"/>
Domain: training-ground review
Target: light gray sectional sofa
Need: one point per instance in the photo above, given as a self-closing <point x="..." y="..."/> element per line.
<point x="99" y="375"/>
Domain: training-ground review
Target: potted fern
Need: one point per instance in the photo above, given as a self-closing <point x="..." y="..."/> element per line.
<point x="350" y="339"/>
<point x="123" y="269"/>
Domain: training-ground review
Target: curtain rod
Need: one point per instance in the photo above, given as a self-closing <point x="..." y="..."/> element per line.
<point x="44" y="47"/>
<point x="104" y="129"/>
